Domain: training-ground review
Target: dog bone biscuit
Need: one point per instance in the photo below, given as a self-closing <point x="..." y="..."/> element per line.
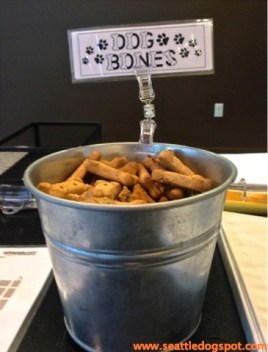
<point x="151" y="163"/>
<point x="174" y="193"/>
<point x="62" y="189"/>
<point x="116" y="162"/>
<point x="195" y="183"/>
<point x="140" y="193"/>
<point x="81" y="171"/>
<point x="132" y="167"/>
<point x="110" y="173"/>
<point x="168" y="160"/>
<point x="124" y="194"/>
<point x="44" y="187"/>
<point x="104" y="188"/>
<point x="154" y="189"/>
<point x="107" y="200"/>
<point x="100" y="200"/>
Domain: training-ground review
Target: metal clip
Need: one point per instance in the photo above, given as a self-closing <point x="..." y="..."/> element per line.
<point x="243" y="184"/>
<point x="247" y="188"/>
<point x="15" y="198"/>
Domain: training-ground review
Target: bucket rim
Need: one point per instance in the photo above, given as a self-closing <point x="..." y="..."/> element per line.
<point x="133" y="207"/>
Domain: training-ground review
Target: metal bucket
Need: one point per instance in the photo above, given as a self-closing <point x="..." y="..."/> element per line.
<point x="131" y="274"/>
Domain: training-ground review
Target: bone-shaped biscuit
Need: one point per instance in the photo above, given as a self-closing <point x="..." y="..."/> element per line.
<point x="110" y="173"/>
<point x="168" y="160"/>
<point x="195" y="183"/>
<point x="155" y="189"/>
<point x="81" y="171"/>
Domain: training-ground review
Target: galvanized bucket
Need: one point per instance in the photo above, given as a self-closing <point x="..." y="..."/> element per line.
<point x="131" y="274"/>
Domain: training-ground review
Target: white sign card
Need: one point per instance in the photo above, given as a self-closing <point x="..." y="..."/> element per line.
<point x="162" y="49"/>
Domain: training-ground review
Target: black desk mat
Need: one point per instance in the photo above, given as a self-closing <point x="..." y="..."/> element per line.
<point x="22" y="228"/>
<point x="14" y="175"/>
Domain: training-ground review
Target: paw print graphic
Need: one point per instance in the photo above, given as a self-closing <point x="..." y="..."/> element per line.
<point x="198" y="52"/>
<point x="179" y="39"/>
<point x="85" y="60"/>
<point x="102" y="44"/>
<point x="184" y="52"/>
<point x="192" y="43"/>
<point x="89" y="50"/>
<point x="162" y="39"/>
<point x="99" y="59"/>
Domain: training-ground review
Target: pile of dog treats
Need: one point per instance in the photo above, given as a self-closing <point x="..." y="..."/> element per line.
<point x="120" y="181"/>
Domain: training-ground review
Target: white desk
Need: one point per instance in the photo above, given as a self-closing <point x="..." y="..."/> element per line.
<point x="243" y="245"/>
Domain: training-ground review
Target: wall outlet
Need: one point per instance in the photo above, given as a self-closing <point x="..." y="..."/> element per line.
<point x="218" y="109"/>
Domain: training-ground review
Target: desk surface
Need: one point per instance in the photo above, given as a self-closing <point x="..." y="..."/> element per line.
<point x="46" y="332"/>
